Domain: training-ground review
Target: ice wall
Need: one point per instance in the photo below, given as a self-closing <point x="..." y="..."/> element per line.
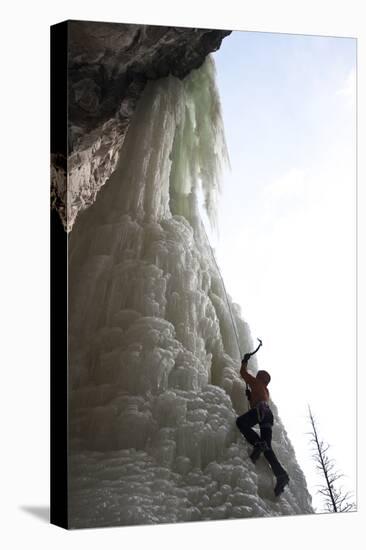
<point x="154" y="383"/>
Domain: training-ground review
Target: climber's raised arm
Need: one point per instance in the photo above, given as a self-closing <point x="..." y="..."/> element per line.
<point x="249" y="378"/>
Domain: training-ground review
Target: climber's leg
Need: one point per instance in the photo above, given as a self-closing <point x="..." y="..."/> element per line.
<point x="245" y="424"/>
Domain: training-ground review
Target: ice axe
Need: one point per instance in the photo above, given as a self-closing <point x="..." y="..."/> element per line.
<point x="249" y="355"/>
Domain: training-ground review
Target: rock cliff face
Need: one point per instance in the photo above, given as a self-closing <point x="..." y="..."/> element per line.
<point x="109" y="65"/>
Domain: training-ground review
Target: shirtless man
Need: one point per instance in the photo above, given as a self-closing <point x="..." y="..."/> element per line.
<point x="261" y="414"/>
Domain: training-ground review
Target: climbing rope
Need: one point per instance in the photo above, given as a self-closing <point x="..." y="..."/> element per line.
<point x="247" y="391"/>
<point x="223" y="286"/>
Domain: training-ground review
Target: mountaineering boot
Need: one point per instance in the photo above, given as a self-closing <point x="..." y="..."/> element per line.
<point x="282" y="481"/>
<point x="259" y="447"/>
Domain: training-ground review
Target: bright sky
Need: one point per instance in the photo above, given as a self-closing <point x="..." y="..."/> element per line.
<point x="287" y="225"/>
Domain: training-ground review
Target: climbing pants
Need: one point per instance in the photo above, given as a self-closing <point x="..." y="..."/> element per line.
<point x="264" y="417"/>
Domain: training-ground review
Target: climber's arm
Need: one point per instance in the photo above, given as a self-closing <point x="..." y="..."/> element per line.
<point x="249" y="379"/>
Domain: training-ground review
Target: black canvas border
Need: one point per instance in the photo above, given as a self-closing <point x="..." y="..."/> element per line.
<point x="59" y="291"/>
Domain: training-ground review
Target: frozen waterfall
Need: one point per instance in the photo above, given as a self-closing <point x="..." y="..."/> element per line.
<point x="153" y="360"/>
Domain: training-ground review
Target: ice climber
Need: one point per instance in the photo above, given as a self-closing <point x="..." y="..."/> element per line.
<point x="261" y="414"/>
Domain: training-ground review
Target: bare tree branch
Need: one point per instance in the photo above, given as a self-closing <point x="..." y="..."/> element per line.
<point x="335" y="499"/>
